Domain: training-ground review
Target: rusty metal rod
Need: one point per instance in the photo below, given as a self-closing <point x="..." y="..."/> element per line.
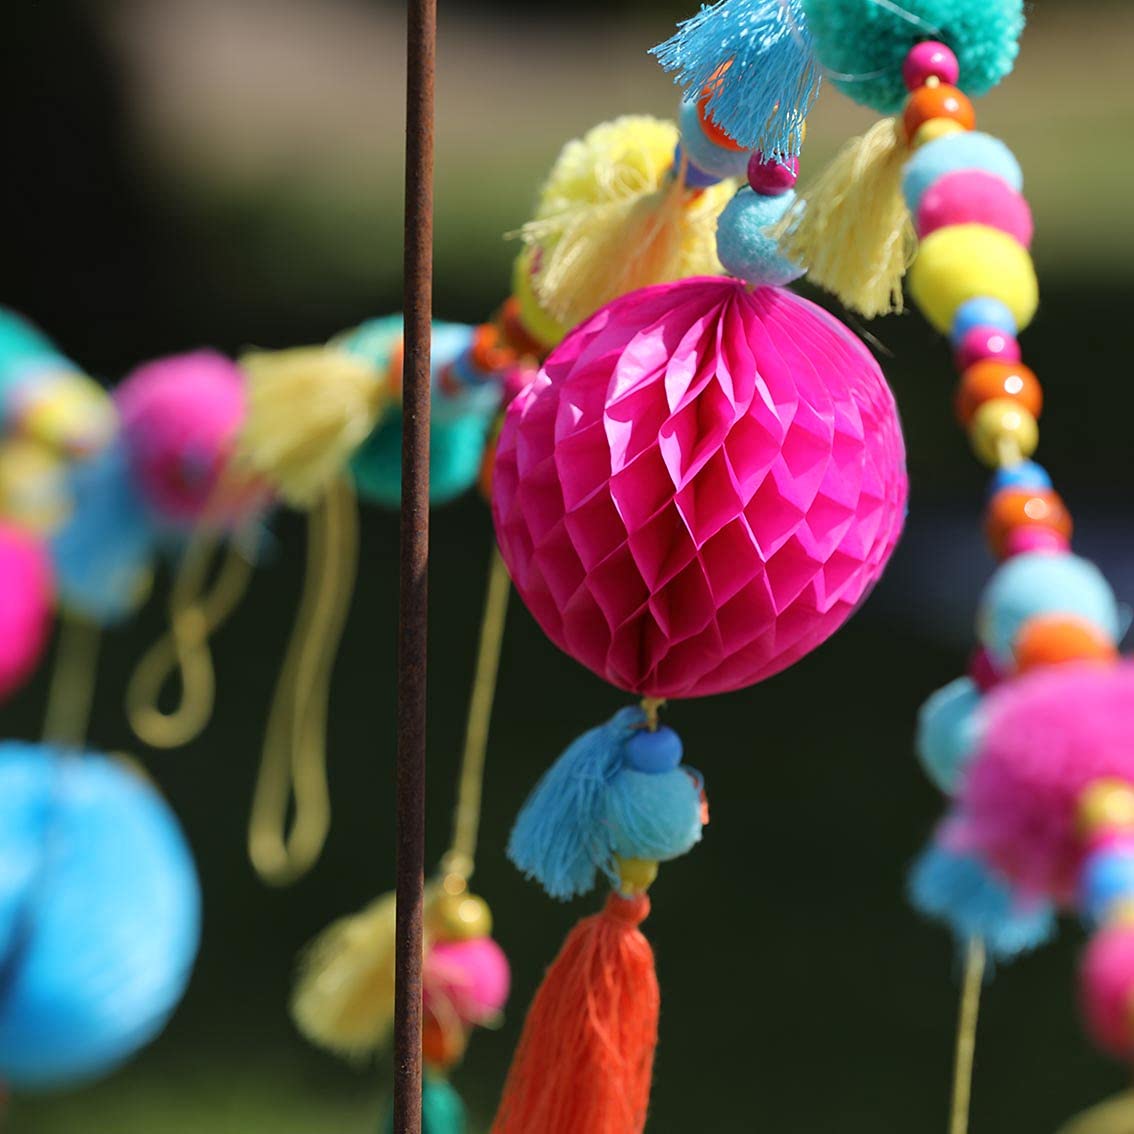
<point x="421" y="44"/>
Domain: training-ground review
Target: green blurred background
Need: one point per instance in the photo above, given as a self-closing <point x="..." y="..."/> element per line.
<point x="181" y="172"/>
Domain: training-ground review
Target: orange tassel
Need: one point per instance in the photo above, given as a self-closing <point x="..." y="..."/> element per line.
<point x="586" y="1056"/>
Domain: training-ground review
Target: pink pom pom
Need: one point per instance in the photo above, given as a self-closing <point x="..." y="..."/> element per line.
<point x="972" y="196"/>
<point x="26" y="595"/>
<point x="1106" y="985"/>
<point x="1047" y="736"/>
<point x="700" y="486"/>
<point x="180" y="417"/>
<point x="471" y="978"/>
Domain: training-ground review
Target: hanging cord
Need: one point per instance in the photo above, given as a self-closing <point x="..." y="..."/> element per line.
<point x="966" y="1037"/>
<point x="458" y="864"/>
<point x="293" y="766"/>
<point x="194" y="617"/>
<point x="73" y="679"/>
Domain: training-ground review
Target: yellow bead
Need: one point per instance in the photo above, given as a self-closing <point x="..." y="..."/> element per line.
<point x="1003" y="433"/>
<point x="637" y="875"/>
<point x="1106" y="805"/>
<point x="973" y="261"/>
<point x="459" y="917"/>
<point x="935" y="128"/>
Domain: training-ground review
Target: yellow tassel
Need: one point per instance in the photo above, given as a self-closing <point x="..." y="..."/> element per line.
<point x="852" y="230"/>
<point x="615" y="216"/>
<point x="308" y="410"/>
<point x="1113" y="1117"/>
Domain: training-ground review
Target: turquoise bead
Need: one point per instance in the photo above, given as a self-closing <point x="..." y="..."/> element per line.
<point x="948" y="729"/>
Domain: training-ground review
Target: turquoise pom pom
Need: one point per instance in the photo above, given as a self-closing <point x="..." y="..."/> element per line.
<point x="953" y="153"/>
<point x="654" y="816"/>
<point x="745" y="245"/>
<point x="374" y="341"/>
<point x="963" y="894"/>
<point x="1041" y="583"/>
<point x="948" y="730"/>
<point x="772" y="80"/>
<point x="442" y="1111"/>
<point x="862" y="44"/>
<point x="100" y="937"/>
<point x="24" y="351"/>
<point x="703" y="152"/>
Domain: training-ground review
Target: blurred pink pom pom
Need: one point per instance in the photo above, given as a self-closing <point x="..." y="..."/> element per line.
<point x="1047" y="736"/>
<point x="26" y="594"/>
<point x="470" y="978"/>
<point x="1107" y="990"/>
<point x="180" y="418"/>
<point x="700" y="486"/>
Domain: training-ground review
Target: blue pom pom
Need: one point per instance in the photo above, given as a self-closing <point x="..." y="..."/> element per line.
<point x="982" y="312"/>
<point x="374" y="341"/>
<point x="963" y="894"/>
<point x="103" y="553"/>
<point x="955" y="152"/>
<point x="745" y="245"/>
<point x="703" y="152"/>
<point x="772" y="79"/>
<point x="102" y="938"/>
<point x="560" y="838"/>
<point x="654" y="752"/>
<point x="653" y="816"/>
<point x="1038" y="584"/>
<point x="1025" y="474"/>
<point x="1107" y="877"/>
<point x="948" y="729"/>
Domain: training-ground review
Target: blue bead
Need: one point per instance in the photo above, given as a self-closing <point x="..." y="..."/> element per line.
<point x="653" y="752"/>
<point x="954" y="153"/>
<point x="1027" y="474"/>
<point x="695" y="178"/>
<point x="947" y="732"/>
<point x="982" y="313"/>
<point x="703" y="152"/>
<point x="1107" y="877"/>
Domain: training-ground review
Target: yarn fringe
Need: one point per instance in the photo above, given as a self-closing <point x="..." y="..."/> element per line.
<point x="852" y="230"/>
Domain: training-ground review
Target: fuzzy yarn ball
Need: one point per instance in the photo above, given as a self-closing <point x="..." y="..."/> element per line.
<point x="700" y="486"/>
<point x="745" y="244"/>
<point x="863" y="44"/>
<point x="469" y="978"/>
<point x="1106" y="990"/>
<point x="26" y="598"/>
<point x="1047" y="736"/>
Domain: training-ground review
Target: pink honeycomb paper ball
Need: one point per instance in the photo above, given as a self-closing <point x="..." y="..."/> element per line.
<point x="26" y="599"/>
<point x="471" y="978"/>
<point x="700" y="486"/>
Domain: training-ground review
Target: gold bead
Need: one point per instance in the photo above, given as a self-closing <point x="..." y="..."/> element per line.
<point x="1106" y="805"/>
<point x="935" y="128"/>
<point x="637" y="875"/>
<point x="459" y="917"/>
<point x="1003" y="433"/>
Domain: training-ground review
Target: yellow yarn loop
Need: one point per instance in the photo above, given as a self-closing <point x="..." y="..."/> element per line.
<point x="73" y="679"/>
<point x="293" y="766"/>
<point x="308" y="410"/>
<point x="851" y="229"/>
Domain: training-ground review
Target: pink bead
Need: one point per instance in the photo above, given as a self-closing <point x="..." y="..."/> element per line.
<point x="26" y="596"/>
<point x="971" y="196"/>
<point x="930" y="61"/>
<point x="1032" y="537"/>
<point x="1106" y="988"/>
<point x="983" y="344"/>
<point x="772" y="178"/>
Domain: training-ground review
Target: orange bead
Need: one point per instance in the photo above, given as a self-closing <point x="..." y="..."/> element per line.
<point x="1056" y="639"/>
<point x="942" y="101"/>
<point x="1017" y="508"/>
<point x="990" y="379"/>
<point x="712" y="131"/>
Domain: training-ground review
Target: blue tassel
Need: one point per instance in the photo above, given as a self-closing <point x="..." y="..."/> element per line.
<point x="959" y="891"/>
<point x="773" y="79"/>
<point x="560" y="838"/>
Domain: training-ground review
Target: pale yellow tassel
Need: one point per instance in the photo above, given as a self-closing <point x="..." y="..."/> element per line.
<point x="308" y="411"/>
<point x="851" y="229"/>
<point x="615" y="216"/>
<point x="1113" y="1117"/>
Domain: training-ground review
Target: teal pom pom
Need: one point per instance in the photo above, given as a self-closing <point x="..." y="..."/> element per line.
<point x="703" y="152"/>
<point x="772" y="81"/>
<point x="561" y="838"/>
<point x="948" y="729"/>
<point x="963" y="894"/>
<point x="374" y="341"/>
<point x="862" y="44"/>
<point x="23" y="351"/>
<point x="745" y="245"/>
<point x="99" y="923"/>
<point x="1039" y="584"/>
<point x="654" y="816"/>
<point x="953" y="153"/>
<point x="442" y="1111"/>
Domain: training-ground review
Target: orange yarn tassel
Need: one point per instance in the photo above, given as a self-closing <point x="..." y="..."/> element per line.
<point x="586" y="1056"/>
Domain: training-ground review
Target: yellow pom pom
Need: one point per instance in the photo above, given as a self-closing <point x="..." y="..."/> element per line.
<point x="973" y="261"/>
<point x="69" y="413"/>
<point x="1003" y="433"/>
<point x="614" y="216"/>
<point x="935" y="128"/>
<point x="308" y="410"/>
<point x="33" y="485"/>
<point x="1106" y="805"/>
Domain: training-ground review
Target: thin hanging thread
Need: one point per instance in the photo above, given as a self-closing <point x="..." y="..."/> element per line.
<point x="966" y="1037"/>
<point x="460" y="861"/>
<point x="193" y="618"/>
<point x="293" y="766"/>
<point x="73" y="678"/>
